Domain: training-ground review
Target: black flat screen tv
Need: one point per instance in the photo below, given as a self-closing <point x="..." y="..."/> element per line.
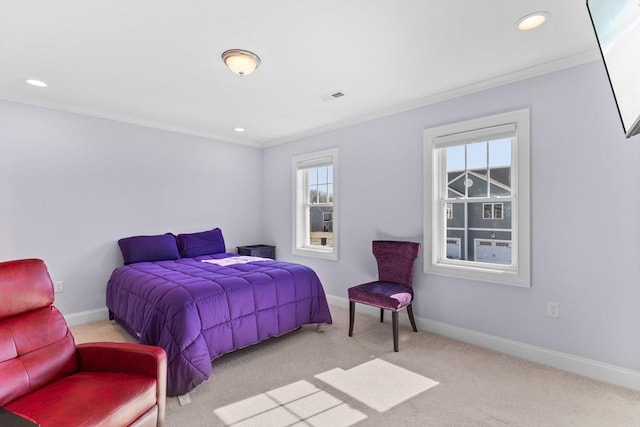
<point x="617" y="27"/>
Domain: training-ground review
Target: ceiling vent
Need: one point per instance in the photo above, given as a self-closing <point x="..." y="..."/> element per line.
<point x="332" y="96"/>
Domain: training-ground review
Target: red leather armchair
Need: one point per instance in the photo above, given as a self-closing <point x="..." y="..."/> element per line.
<point x="46" y="378"/>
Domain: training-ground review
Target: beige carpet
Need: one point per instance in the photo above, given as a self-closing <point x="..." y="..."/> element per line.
<point x="328" y="379"/>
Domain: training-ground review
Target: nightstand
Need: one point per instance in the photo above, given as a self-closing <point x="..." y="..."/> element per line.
<point x="10" y="419"/>
<point x="264" y="251"/>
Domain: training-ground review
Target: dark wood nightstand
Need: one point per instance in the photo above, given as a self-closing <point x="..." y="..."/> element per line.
<point x="10" y="419"/>
<point x="264" y="251"/>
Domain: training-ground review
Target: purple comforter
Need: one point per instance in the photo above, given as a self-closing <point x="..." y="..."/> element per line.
<point x="198" y="311"/>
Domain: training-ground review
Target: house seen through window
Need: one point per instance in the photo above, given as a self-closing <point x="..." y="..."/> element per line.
<point x="475" y="173"/>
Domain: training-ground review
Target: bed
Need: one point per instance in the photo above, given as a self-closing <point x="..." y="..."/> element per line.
<point x="198" y="305"/>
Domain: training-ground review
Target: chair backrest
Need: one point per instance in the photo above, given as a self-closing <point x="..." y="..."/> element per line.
<point x="395" y="260"/>
<point x="36" y="346"/>
<point x="25" y="285"/>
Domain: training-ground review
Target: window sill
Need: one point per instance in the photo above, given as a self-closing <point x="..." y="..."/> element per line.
<point x="503" y="277"/>
<point x="316" y="252"/>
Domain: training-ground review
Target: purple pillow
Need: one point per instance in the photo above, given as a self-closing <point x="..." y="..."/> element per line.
<point x="203" y="243"/>
<point x="149" y="248"/>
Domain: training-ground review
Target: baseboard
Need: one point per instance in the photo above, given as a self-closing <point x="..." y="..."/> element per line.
<point x="87" y="316"/>
<point x="567" y="362"/>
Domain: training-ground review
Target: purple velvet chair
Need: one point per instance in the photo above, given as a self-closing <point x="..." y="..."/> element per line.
<point x="392" y="291"/>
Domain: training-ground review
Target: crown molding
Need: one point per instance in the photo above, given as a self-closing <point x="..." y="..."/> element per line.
<point x="549" y="67"/>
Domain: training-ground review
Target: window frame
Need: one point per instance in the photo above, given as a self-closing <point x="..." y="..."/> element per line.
<point x="300" y="224"/>
<point x="466" y="132"/>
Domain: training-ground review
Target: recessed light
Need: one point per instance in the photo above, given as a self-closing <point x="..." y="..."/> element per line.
<point x="533" y="20"/>
<point x="238" y="129"/>
<point x="35" y="82"/>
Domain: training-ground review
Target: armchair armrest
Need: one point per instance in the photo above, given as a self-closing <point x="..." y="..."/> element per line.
<point x="129" y="358"/>
<point x="121" y="357"/>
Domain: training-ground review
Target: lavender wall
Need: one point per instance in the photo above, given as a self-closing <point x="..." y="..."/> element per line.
<point x="72" y="185"/>
<point x="585" y="183"/>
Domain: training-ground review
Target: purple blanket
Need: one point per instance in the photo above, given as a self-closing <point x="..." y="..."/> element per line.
<point x="198" y="311"/>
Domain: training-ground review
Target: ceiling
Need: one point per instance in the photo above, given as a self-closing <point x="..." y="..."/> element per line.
<point x="157" y="63"/>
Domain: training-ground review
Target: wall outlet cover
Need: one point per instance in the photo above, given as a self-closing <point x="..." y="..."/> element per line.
<point x="553" y="309"/>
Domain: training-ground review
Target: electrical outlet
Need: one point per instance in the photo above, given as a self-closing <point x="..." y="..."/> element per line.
<point x="553" y="309"/>
<point x="58" y="286"/>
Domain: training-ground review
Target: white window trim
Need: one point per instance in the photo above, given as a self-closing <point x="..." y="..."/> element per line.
<point x="519" y="274"/>
<point x="300" y="226"/>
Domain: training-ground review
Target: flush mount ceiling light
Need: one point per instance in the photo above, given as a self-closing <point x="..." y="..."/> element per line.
<point x="34" y="82"/>
<point x="240" y="61"/>
<point x="533" y="20"/>
<point x="238" y="129"/>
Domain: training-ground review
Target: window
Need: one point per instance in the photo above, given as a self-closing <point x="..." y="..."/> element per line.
<point x="492" y="210"/>
<point x="314" y="199"/>
<point x="476" y="199"/>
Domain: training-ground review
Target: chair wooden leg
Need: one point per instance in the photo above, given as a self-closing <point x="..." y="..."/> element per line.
<point x="411" y="319"/>
<point x="394" y="323"/>
<point x="352" y="310"/>
<point x="381" y="315"/>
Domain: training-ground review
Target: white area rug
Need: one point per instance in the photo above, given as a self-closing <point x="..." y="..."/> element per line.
<point x="378" y="384"/>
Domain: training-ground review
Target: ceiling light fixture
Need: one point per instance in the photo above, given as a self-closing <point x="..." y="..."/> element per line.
<point x="533" y="20"/>
<point x="240" y="61"/>
<point x="34" y="82"/>
<point x="238" y="129"/>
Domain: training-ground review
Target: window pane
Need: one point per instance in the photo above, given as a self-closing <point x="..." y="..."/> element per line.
<point x="312" y="197"/>
<point x="454" y="247"/>
<point x="477" y="183"/>
<point x="455" y="158"/>
<point x="500" y="181"/>
<point x="454" y="213"/>
<point x="312" y="176"/>
<point x="500" y="164"/>
<point x="330" y="174"/>
<point x="500" y="152"/>
<point x="493" y="251"/>
<point x="455" y="243"/>
<point x="322" y="193"/>
<point x="448" y="211"/>
<point x="330" y="193"/>
<point x="322" y="175"/>
<point x="477" y="156"/>
<point x="321" y="226"/>
<point x="456" y="188"/>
